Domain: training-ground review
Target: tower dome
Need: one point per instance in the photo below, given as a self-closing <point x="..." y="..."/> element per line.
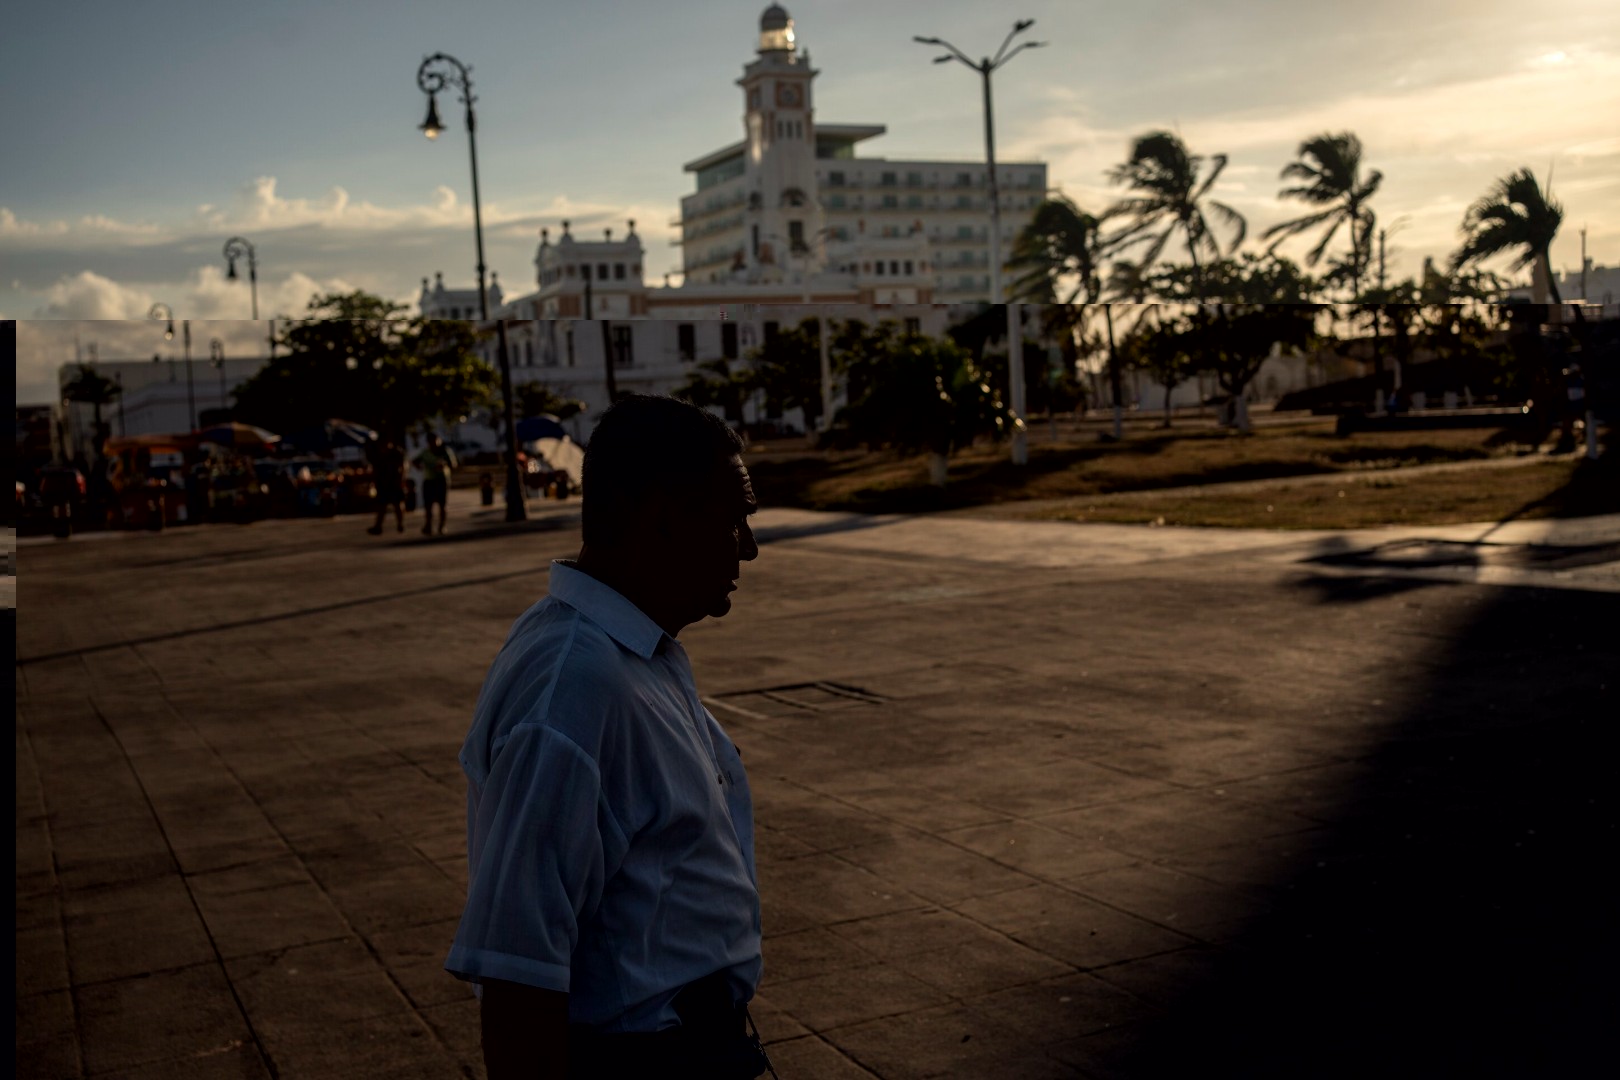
<point x="776" y="30"/>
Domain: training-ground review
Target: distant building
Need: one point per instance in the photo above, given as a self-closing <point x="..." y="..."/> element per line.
<point x="154" y="399"/>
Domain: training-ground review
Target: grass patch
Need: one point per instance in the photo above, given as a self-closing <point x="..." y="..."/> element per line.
<point x="1561" y="488"/>
<point x="1080" y="464"/>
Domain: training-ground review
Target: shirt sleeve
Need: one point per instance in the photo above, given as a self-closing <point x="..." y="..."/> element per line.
<point x="541" y="842"/>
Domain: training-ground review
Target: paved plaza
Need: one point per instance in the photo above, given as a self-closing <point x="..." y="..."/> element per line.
<point x="1034" y="799"/>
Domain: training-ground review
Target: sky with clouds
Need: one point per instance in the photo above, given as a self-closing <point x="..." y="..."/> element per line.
<point x="140" y="136"/>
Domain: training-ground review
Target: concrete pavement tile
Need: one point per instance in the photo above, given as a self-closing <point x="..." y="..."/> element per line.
<point x="1190" y="904"/>
<point x="1038" y="850"/>
<point x="933" y="869"/>
<point x="833" y="888"/>
<point x="772" y="1023"/>
<point x="831" y="1000"/>
<point x="457" y="1026"/>
<point x="1063" y="784"/>
<point x="414" y="956"/>
<point x="905" y="933"/>
<point x="810" y="952"/>
<point x="770" y="845"/>
<point x="811" y="1056"/>
<point x="132" y="929"/>
<point x="930" y="811"/>
<point x="1071" y="928"/>
<point x="40" y="958"/>
<point x="1175" y="822"/>
<point x="339" y="981"/>
<point x="236" y="1061"/>
<point x="1104" y="1055"/>
<point x="33" y="855"/>
<point x="829" y="825"/>
<point x="980" y="963"/>
<point x="1057" y="1010"/>
<point x="373" y="1048"/>
<point x="1165" y="978"/>
<point x="121" y="849"/>
<point x="265" y="906"/>
<point x="47" y="1039"/>
<point x="409" y="894"/>
<point x="950" y="1039"/>
<point x="153" y="1018"/>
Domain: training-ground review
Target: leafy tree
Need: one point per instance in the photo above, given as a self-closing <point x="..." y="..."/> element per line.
<point x="1234" y="340"/>
<point x="1397" y="307"/>
<point x="926" y="395"/>
<point x="90" y="387"/>
<point x="360" y="357"/>
<point x="1171" y="196"/>
<point x="1514" y="216"/>
<point x="1250" y="279"/>
<point x="1330" y="177"/>
<point x="712" y="384"/>
<point x="538" y="399"/>
<point x="787" y="369"/>
<point x="1164" y="348"/>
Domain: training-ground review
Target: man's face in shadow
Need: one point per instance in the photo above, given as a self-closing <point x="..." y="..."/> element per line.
<point x="708" y="540"/>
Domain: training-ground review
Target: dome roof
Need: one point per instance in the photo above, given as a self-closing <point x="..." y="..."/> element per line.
<point x="775" y="18"/>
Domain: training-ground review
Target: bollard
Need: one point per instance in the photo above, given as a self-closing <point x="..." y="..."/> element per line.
<point x="61" y="520"/>
<point x="486" y="489"/>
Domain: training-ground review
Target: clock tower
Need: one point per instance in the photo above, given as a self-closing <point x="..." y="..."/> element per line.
<point x="782" y="213"/>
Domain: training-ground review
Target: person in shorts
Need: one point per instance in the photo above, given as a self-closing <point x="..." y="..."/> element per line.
<point x="436" y="462"/>
<point x="388" y="476"/>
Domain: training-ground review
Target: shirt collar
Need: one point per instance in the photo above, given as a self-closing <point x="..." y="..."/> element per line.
<point x="606" y="607"/>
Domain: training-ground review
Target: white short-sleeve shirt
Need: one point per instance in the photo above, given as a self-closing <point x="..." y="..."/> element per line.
<point x="610" y="836"/>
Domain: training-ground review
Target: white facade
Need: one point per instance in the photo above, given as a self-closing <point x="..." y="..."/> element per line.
<point x="155" y="400"/>
<point x="792" y="194"/>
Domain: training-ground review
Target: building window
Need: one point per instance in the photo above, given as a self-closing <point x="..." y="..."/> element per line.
<point x="568" y="342"/>
<point x="894" y="267"/>
<point x="836" y="202"/>
<point x="728" y="340"/>
<point x="890" y="179"/>
<point x="601" y="271"/>
<point x="964" y="202"/>
<point x="623" y="350"/>
<point x="618" y="271"/>
<point x="528" y="354"/>
<point x="964" y="232"/>
<point x="890" y="202"/>
<point x="964" y="179"/>
<point x="796" y="235"/>
<point x="770" y="332"/>
<point x="908" y="267"/>
<point x="878" y="267"/>
<point x="913" y="326"/>
<point x="835" y="179"/>
<point x="686" y="341"/>
<point x="570" y="270"/>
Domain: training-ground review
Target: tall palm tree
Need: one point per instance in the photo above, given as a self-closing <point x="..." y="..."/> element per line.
<point x="90" y="387"/>
<point x="1515" y="214"/>
<point x="1170" y="195"/>
<point x="1330" y="177"/>
<point x="1060" y="252"/>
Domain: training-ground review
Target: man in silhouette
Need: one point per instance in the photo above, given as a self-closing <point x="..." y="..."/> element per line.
<point x="612" y="924"/>
<point x="388" y="476"/>
<point x="436" y="462"/>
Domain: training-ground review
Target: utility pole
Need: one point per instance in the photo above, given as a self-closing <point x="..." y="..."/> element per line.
<point x="1583" y="264"/>
<point x="607" y="342"/>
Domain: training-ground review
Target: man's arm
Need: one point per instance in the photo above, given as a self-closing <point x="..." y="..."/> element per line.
<point x="525" y="1031"/>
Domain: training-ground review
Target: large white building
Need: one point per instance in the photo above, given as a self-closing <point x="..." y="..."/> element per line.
<point x="784" y="223"/>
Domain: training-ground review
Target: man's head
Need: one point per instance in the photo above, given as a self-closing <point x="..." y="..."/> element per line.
<point x="666" y="505"/>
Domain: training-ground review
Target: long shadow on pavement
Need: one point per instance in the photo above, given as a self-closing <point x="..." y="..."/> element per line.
<point x="1456" y="916"/>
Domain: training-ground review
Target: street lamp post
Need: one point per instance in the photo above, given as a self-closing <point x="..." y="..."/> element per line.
<point x="235" y="248"/>
<point x="985" y="67"/>
<point x="437" y="72"/>
<point x="216" y="356"/>
<point x="164" y="312"/>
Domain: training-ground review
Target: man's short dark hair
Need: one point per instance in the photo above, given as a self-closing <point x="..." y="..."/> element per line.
<point x="648" y="443"/>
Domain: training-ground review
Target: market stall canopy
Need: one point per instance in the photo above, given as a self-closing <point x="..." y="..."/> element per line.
<point x="544" y="426"/>
<point x="177" y="443"/>
<point x="239" y="436"/>
<point x="563" y="453"/>
<point x="330" y="435"/>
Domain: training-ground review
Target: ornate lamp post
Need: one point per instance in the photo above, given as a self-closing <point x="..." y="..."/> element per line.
<point x="1015" y="359"/>
<point x="235" y="248"/>
<point x="216" y="356"/>
<point x="164" y="312"/>
<point x="437" y="72"/>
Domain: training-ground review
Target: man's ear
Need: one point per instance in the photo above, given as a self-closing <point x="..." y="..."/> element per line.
<point x="662" y="515"/>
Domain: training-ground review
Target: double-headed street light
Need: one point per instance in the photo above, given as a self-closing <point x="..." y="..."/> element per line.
<point x="235" y="248"/>
<point x="437" y="72"/>
<point x="162" y="312"/>
<point x="1015" y="359"/>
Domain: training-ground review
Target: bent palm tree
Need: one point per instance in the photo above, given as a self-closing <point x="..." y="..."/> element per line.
<point x="90" y="387"/>
<point x="1329" y="171"/>
<point x="1171" y="196"/>
<point x="1516" y="214"/>
<point x="1060" y="251"/>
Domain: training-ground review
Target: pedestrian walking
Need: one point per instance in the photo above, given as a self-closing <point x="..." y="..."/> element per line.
<point x="436" y="462"/>
<point x="612" y="924"/>
<point x="388" y="477"/>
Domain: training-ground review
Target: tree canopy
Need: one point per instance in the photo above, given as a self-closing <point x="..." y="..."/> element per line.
<point x="360" y="357"/>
